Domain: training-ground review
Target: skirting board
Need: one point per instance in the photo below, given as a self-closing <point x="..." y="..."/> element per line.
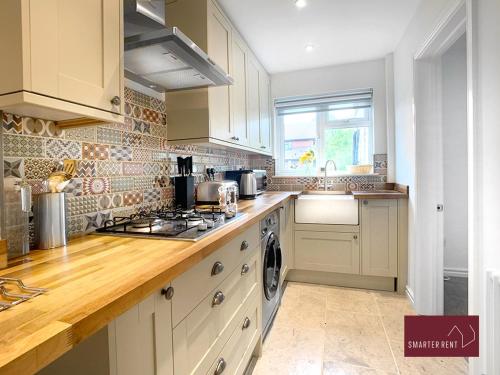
<point x="340" y="279"/>
<point x="456" y="272"/>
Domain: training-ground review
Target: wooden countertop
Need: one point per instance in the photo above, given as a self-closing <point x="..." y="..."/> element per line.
<point x="379" y="194"/>
<point x="93" y="280"/>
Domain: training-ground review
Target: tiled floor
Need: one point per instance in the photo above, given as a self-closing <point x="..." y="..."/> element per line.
<point x="340" y="331"/>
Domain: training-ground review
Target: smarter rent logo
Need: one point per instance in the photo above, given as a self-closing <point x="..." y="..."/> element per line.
<point x="442" y="336"/>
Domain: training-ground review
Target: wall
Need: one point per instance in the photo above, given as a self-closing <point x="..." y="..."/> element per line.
<point x="424" y="21"/>
<point x="119" y="165"/>
<point x="454" y="99"/>
<point x="362" y="75"/>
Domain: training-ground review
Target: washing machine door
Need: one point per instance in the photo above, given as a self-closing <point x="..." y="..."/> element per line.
<point x="272" y="267"/>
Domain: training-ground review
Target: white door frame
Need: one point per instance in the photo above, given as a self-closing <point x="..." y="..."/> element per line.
<point x="429" y="249"/>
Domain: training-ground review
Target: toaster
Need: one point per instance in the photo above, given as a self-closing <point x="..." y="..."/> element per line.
<point x="207" y="192"/>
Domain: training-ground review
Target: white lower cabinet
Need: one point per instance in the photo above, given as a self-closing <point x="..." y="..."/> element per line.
<point x="140" y="340"/>
<point x="327" y="251"/>
<point x="286" y="237"/>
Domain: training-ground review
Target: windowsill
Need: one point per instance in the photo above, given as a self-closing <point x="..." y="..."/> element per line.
<point x="338" y="174"/>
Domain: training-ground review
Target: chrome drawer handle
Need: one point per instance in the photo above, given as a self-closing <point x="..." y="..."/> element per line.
<point x="168" y="292"/>
<point x="217" y="268"/>
<point x="244" y="245"/>
<point x="218" y="299"/>
<point x="244" y="269"/>
<point x="246" y="323"/>
<point x="221" y="366"/>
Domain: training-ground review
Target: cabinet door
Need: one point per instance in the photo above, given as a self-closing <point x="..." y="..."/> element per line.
<point x="265" y="112"/>
<point x="286" y="237"/>
<point x="379" y="236"/>
<point x="219" y="49"/>
<point x="327" y="251"/>
<point x="239" y="91"/>
<point x="76" y="51"/>
<point x="141" y="339"/>
<point x="253" y="102"/>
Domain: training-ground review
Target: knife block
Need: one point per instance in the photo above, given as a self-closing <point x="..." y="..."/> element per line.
<point x="184" y="192"/>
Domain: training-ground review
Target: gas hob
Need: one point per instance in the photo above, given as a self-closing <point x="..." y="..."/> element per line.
<point x="165" y="223"/>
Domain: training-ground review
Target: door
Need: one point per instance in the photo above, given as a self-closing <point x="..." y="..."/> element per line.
<point x="239" y="91"/>
<point x="272" y="267"/>
<point x="253" y="103"/>
<point x="265" y="112"/>
<point x="76" y="51"/>
<point x="219" y="49"/>
<point x="327" y="251"/>
<point x="141" y="339"/>
<point x="379" y="237"/>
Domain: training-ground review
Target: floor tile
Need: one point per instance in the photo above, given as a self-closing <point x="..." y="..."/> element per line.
<point x="342" y="368"/>
<point x="351" y="300"/>
<point x="418" y="366"/>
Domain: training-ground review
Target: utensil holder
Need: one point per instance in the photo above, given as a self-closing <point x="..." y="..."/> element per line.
<point x="50" y="220"/>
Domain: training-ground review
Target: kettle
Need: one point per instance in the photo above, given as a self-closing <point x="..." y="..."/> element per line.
<point x="248" y="185"/>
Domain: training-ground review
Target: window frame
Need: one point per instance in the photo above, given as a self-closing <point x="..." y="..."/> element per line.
<point x="322" y="124"/>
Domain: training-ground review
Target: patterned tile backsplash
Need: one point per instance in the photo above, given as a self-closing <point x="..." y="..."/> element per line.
<point x="122" y="168"/>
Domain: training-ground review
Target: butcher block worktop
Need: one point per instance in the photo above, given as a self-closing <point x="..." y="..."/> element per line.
<point x="93" y="280"/>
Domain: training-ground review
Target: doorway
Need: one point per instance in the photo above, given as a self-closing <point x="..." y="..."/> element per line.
<point x="455" y="175"/>
<point x="441" y="175"/>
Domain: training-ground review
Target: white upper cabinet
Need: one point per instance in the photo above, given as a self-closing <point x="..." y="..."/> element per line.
<point x="67" y="58"/>
<point x="238" y="115"/>
<point x="239" y="91"/>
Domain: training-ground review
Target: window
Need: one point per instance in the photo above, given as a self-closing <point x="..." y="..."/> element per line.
<point x="312" y="130"/>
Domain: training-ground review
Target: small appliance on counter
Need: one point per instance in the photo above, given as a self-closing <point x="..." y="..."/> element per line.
<point x="184" y="184"/>
<point x="251" y="182"/>
<point x="50" y="220"/>
<point x="208" y="192"/>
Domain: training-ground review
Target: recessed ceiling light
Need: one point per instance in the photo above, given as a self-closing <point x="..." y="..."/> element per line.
<point x="309" y="48"/>
<point x="300" y="3"/>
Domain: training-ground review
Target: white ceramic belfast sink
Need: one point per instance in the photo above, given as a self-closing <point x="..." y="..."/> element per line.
<point x="326" y="208"/>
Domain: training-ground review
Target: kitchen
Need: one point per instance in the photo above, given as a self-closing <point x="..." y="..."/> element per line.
<point x="215" y="186"/>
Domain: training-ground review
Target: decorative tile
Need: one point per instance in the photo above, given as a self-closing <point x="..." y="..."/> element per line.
<point x="13" y="167"/>
<point x="132" y="139"/>
<point x="121" y="153"/>
<point x="159" y="130"/>
<point x="153" y="195"/>
<point x="81" y="205"/>
<point x="141" y="154"/>
<point x="76" y="224"/>
<point x="151" y="116"/>
<point x="159" y="155"/>
<point x="122" y="184"/>
<point x="141" y="126"/>
<point x="132" y="169"/>
<point x="86" y="168"/>
<point x="158" y="105"/>
<point x="74" y="188"/>
<point x="94" y="151"/>
<point x="109" y="168"/>
<point x="110" y="201"/>
<point x="143" y="183"/>
<point x="12" y="124"/>
<point x="150" y="142"/>
<point x="97" y="220"/>
<point x="22" y="146"/>
<point x="44" y="128"/>
<point x="152" y="169"/>
<point x="37" y="186"/>
<point x="132" y="198"/>
<point x="110" y="136"/>
<point x="96" y="185"/>
<point x="63" y="149"/>
<point x="86" y="134"/>
<point x="39" y="169"/>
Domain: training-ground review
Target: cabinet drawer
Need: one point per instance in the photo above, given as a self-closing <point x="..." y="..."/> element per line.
<point x="201" y="335"/>
<point x="194" y="285"/>
<point x="235" y="355"/>
<point x="327" y="251"/>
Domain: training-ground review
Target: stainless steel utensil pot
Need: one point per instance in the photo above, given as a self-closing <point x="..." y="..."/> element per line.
<point x="50" y="220"/>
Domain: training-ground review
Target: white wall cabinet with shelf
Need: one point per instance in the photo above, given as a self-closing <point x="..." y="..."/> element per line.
<point x="236" y="116"/>
<point x="65" y="59"/>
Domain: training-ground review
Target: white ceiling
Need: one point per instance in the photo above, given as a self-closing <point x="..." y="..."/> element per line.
<point x="342" y="31"/>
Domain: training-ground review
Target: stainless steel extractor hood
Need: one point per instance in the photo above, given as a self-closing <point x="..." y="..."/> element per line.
<point x="163" y="58"/>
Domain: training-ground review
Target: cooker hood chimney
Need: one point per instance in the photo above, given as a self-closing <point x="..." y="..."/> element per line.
<point x="162" y="57"/>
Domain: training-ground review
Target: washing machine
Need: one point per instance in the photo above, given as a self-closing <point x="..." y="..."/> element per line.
<point x="271" y="264"/>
